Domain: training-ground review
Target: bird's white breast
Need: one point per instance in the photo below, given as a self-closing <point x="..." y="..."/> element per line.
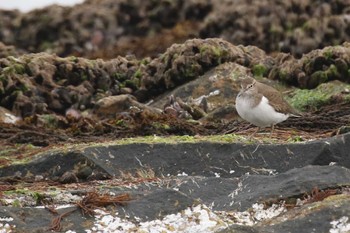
<point x="262" y="115"/>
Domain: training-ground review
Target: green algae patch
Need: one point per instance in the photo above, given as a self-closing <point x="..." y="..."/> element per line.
<point x="228" y="138"/>
<point x="218" y="53"/>
<point x="18" y="154"/>
<point x="324" y="94"/>
<point x="259" y="70"/>
<point x="30" y="154"/>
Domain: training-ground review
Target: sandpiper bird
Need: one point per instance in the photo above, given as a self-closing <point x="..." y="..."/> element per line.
<point x="262" y="105"/>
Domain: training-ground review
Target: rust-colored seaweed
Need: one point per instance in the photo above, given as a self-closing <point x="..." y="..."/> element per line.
<point x="91" y="201"/>
<point x="319" y="195"/>
<point x="94" y="200"/>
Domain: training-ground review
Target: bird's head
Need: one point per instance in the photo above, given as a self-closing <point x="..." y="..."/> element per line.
<point x="248" y="85"/>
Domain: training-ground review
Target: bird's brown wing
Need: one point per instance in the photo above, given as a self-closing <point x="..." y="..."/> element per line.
<point x="276" y="99"/>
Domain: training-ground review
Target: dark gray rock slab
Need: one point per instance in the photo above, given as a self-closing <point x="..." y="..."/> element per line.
<point x="317" y="217"/>
<point x="151" y="206"/>
<point x="53" y="165"/>
<point x="39" y="220"/>
<point x="157" y="205"/>
<point x="195" y="159"/>
<point x="241" y="193"/>
<point x="228" y="160"/>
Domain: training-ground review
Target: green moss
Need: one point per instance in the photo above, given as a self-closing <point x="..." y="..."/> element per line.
<point x="18" y="154"/>
<point x="328" y="53"/>
<point x="38" y="197"/>
<point x="17" y="191"/>
<point x="217" y="52"/>
<point x="259" y="70"/>
<point x="228" y="138"/>
<point x="83" y="77"/>
<point x="306" y="26"/>
<point x="159" y="125"/>
<point x="46" y="45"/>
<point x="132" y="83"/>
<point x="120" y="122"/>
<point x="3" y="77"/>
<point x="138" y="74"/>
<point x="221" y="139"/>
<point x="50" y="120"/>
<point x="15" y="68"/>
<point x="275" y="30"/>
<point x="16" y="203"/>
<point x="24" y="88"/>
<point x="317" y="78"/>
<point x="164" y="57"/>
<point x="144" y="61"/>
<point x="289" y="26"/>
<point x="235" y="75"/>
<point x="73" y="59"/>
<point x="19" y="68"/>
<point x="295" y="139"/>
<point x="282" y="74"/>
<point x="120" y="76"/>
<point x="7" y="151"/>
<point x="190" y="70"/>
<point x="332" y="72"/>
<point x="7" y="70"/>
<point x="304" y="100"/>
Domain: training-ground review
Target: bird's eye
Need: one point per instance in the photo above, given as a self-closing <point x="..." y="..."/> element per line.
<point x="250" y="86"/>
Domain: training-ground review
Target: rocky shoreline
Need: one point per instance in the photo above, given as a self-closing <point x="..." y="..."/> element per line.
<point x="119" y="116"/>
<point x="106" y="28"/>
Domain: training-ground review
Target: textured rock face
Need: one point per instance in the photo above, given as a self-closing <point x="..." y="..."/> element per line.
<point x="103" y="26"/>
<point x="296" y="26"/>
<point x="108" y="28"/>
<point x="41" y="83"/>
<point x="57" y="112"/>
<point x="195" y="71"/>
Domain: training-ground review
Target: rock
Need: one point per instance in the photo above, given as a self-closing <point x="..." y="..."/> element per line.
<point x="6" y="51"/>
<point x="70" y="31"/>
<point x="218" y="88"/>
<point x="179" y="183"/>
<point x="183" y="63"/>
<point x="68" y="177"/>
<point x="43" y="83"/>
<point x="114" y="105"/>
<point x="158" y="203"/>
<point x="8" y="117"/>
<point x="305" y="30"/>
<point x="154" y="26"/>
<point x="232" y="194"/>
<point x="61" y="166"/>
<point x="191" y="196"/>
<point x="334" y="92"/>
<point x="84" y="172"/>
<point x="314" y="68"/>
<point x="223" y="159"/>
<point x="326" y="218"/>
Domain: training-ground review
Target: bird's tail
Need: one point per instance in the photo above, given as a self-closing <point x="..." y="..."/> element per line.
<point x="296" y="115"/>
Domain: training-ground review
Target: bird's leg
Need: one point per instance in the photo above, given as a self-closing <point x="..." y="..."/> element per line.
<point x="272" y="129"/>
<point x="257" y="130"/>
